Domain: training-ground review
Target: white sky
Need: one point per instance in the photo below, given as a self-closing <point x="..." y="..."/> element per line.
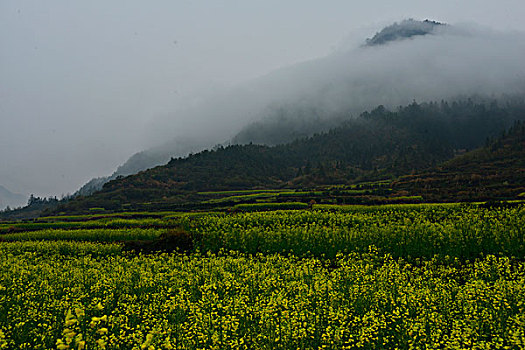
<point x="81" y="80"/>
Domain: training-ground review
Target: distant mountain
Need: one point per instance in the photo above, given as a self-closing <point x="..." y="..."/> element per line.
<point x="10" y="199"/>
<point x="34" y="208"/>
<point x="376" y="145"/>
<point x="403" y="30"/>
<point x="141" y="161"/>
<point x="137" y="162"/>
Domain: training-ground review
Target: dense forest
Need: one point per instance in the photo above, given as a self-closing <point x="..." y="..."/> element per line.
<point x="380" y="144"/>
<point x="494" y="171"/>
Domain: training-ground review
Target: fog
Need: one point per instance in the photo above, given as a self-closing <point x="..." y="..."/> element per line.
<point x="455" y="61"/>
<point x="84" y="85"/>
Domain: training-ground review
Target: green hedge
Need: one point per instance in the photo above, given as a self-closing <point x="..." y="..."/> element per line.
<point x="270" y="206"/>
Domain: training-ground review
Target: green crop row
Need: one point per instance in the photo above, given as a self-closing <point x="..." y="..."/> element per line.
<point x="95" y="235"/>
<point x="238" y="192"/>
<point x="410" y="231"/>
<point x="271" y="206"/>
<point x="122" y="215"/>
<point x="239" y="198"/>
<point x="108" y="223"/>
<point x="10" y="250"/>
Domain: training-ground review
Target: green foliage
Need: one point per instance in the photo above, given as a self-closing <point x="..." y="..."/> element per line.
<point x="377" y="145"/>
<point x="95" y="235"/>
<point x="405" y="276"/>
<point x="243" y="197"/>
<point x="402" y="231"/>
<point x="59" y="249"/>
<point x="107" y="223"/>
<point x="96" y="209"/>
<point x="407" y="231"/>
<point x="239" y="192"/>
<point x="238" y="301"/>
<point x="494" y="172"/>
<point x="271" y="206"/>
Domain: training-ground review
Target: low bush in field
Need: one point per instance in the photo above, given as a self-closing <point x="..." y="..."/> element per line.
<point x="271" y="206"/>
<point x="174" y="240"/>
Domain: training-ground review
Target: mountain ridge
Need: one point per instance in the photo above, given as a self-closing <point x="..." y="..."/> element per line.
<point x="10" y="199"/>
<point x="303" y="99"/>
<point x="403" y="30"/>
<point x="379" y="144"/>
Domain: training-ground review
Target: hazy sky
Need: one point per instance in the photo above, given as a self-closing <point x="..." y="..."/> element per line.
<point x="80" y="81"/>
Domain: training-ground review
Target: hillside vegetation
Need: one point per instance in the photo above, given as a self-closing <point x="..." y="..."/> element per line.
<point x="380" y="144"/>
<point x="494" y="171"/>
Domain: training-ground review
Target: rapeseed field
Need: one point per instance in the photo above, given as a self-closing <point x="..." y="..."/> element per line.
<point x="431" y="277"/>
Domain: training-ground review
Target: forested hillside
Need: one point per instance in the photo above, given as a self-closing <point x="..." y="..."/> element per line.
<point x="380" y="144"/>
<point x="494" y="171"/>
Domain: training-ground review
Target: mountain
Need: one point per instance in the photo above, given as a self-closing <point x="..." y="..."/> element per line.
<point x="380" y="144"/>
<point x="403" y="30"/>
<point x="137" y="162"/>
<point x="10" y="199"/>
<point x="406" y="61"/>
<point x="34" y="208"/>
<point x="142" y="161"/>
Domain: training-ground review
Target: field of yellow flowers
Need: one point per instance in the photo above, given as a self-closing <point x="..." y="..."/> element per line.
<point x="387" y="277"/>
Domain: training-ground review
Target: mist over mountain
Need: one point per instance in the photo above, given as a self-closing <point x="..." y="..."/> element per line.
<point x="141" y="161"/>
<point x="286" y="122"/>
<point x="456" y="60"/>
<point x="407" y="61"/>
<point x="10" y="199"/>
<point x="403" y="30"/>
<point x="377" y="145"/>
